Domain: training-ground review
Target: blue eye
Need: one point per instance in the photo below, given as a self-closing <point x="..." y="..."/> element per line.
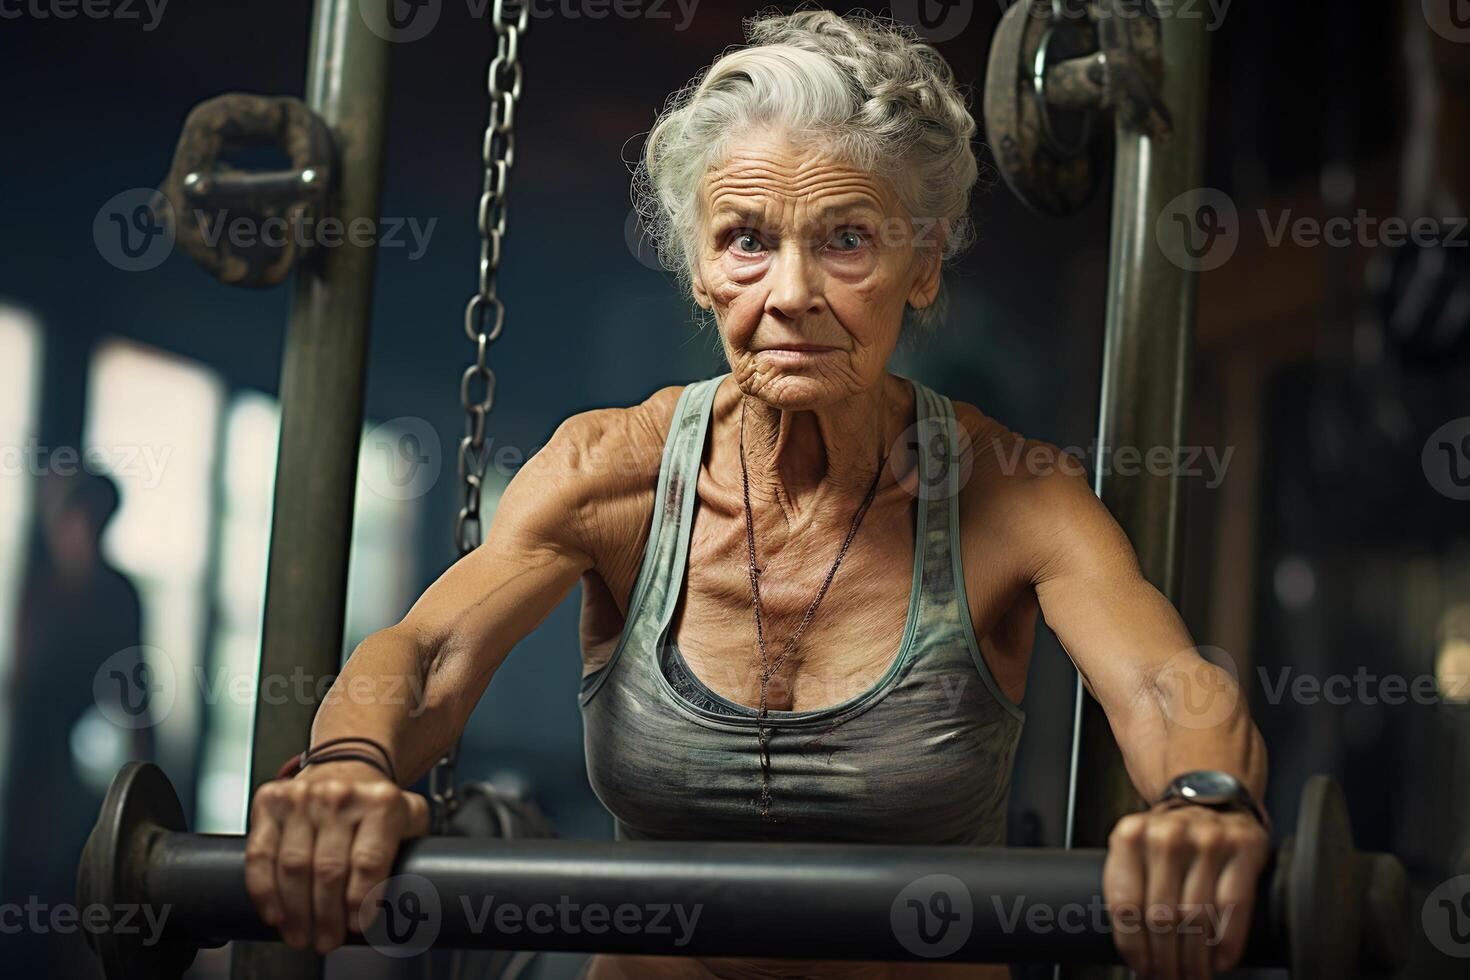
<point x="750" y="239"/>
<point x="848" y="240"/>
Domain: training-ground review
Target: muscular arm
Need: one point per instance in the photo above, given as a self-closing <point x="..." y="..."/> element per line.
<point x="320" y="842"/>
<point x="581" y="504"/>
<point x="1171" y="710"/>
<point x="413" y="685"/>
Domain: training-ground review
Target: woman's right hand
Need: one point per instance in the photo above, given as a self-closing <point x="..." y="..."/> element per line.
<point x="319" y="843"/>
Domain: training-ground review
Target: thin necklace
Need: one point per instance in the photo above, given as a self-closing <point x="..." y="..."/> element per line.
<point x="768" y="668"/>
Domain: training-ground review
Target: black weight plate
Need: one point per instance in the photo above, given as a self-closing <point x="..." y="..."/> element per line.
<point x="1323" y="908"/>
<point x="139" y="804"/>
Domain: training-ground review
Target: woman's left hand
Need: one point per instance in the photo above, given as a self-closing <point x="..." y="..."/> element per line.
<point x="1180" y="885"/>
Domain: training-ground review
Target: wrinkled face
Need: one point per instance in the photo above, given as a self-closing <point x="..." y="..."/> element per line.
<point x="807" y="264"/>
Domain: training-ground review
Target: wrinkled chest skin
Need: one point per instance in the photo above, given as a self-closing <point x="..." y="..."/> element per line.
<point x="923" y="756"/>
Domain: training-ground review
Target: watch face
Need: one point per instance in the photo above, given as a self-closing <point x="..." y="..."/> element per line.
<point x="1208" y="786"/>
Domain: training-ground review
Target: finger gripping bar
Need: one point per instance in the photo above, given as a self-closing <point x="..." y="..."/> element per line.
<point x="806" y="901"/>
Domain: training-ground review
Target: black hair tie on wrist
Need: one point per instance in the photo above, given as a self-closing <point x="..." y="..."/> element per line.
<point x="347" y="755"/>
<point x="385" y="765"/>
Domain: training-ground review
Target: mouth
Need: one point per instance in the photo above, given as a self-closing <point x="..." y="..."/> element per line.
<point x="797" y="353"/>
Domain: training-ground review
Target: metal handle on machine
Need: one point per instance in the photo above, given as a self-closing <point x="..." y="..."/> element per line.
<point x="819" y="901"/>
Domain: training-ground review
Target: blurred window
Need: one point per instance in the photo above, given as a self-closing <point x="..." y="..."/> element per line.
<point x="152" y="422"/>
<point x="381" y="584"/>
<point x="20" y="361"/>
<point x="20" y="350"/>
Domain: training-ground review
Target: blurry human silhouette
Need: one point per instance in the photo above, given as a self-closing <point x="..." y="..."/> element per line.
<point x="77" y="613"/>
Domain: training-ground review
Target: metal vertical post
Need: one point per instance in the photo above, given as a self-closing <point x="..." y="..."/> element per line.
<point x="322" y="379"/>
<point x="1144" y="402"/>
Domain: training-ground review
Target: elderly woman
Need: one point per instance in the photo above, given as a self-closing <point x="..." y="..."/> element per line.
<point x="809" y="586"/>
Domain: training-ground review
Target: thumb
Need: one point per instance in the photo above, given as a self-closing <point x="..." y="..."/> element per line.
<point x="418" y="815"/>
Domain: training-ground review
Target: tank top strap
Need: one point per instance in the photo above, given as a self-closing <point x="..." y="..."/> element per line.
<point x="655" y="595"/>
<point x="945" y="630"/>
<point x="941" y="471"/>
<point x="678" y="482"/>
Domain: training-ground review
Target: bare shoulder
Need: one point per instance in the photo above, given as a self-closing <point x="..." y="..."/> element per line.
<point x="606" y="449"/>
<point x="1031" y="494"/>
<point x="597" y="474"/>
<point x="1006" y="462"/>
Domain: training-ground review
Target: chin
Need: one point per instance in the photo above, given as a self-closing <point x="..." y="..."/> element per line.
<point x="795" y="391"/>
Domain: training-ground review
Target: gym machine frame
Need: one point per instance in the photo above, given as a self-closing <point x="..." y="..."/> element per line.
<point x="1323" y="909"/>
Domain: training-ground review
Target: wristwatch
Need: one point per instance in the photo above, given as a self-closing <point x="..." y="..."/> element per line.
<point x="1216" y="790"/>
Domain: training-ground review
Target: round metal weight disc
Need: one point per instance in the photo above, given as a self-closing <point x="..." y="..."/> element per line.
<point x="139" y="803"/>
<point x="1323" y="908"/>
<point x="1048" y="180"/>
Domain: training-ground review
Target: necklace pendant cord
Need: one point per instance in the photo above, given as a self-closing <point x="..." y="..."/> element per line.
<point x="768" y="669"/>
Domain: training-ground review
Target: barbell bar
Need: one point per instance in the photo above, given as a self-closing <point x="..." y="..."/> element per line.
<point x="1323" y="910"/>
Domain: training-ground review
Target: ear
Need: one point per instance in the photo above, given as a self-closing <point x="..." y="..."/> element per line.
<point x="926" y="283"/>
<point x="701" y="294"/>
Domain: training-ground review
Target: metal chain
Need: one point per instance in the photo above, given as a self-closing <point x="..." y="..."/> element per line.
<point x="484" y="317"/>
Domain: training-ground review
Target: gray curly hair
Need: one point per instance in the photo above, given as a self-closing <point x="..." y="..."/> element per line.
<point x="865" y="88"/>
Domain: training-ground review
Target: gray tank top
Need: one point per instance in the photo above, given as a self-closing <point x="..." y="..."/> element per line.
<point x="922" y="757"/>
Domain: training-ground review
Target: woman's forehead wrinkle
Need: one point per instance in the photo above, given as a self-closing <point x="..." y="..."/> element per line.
<point x="759" y="191"/>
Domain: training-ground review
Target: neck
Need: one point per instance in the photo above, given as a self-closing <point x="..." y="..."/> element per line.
<point x="794" y="456"/>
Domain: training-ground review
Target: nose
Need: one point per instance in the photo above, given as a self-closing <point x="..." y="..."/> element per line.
<point x="795" y="283"/>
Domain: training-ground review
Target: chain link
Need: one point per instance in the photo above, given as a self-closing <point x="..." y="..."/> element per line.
<point x="484" y="316"/>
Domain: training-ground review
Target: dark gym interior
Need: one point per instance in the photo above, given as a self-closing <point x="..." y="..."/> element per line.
<point x="1325" y="547"/>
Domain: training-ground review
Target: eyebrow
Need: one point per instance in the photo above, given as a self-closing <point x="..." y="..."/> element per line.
<point x="751" y="217"/>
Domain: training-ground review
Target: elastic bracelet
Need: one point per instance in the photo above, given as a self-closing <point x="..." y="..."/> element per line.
<point x="347" y="755"/>
<point x="308" y="756"/>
